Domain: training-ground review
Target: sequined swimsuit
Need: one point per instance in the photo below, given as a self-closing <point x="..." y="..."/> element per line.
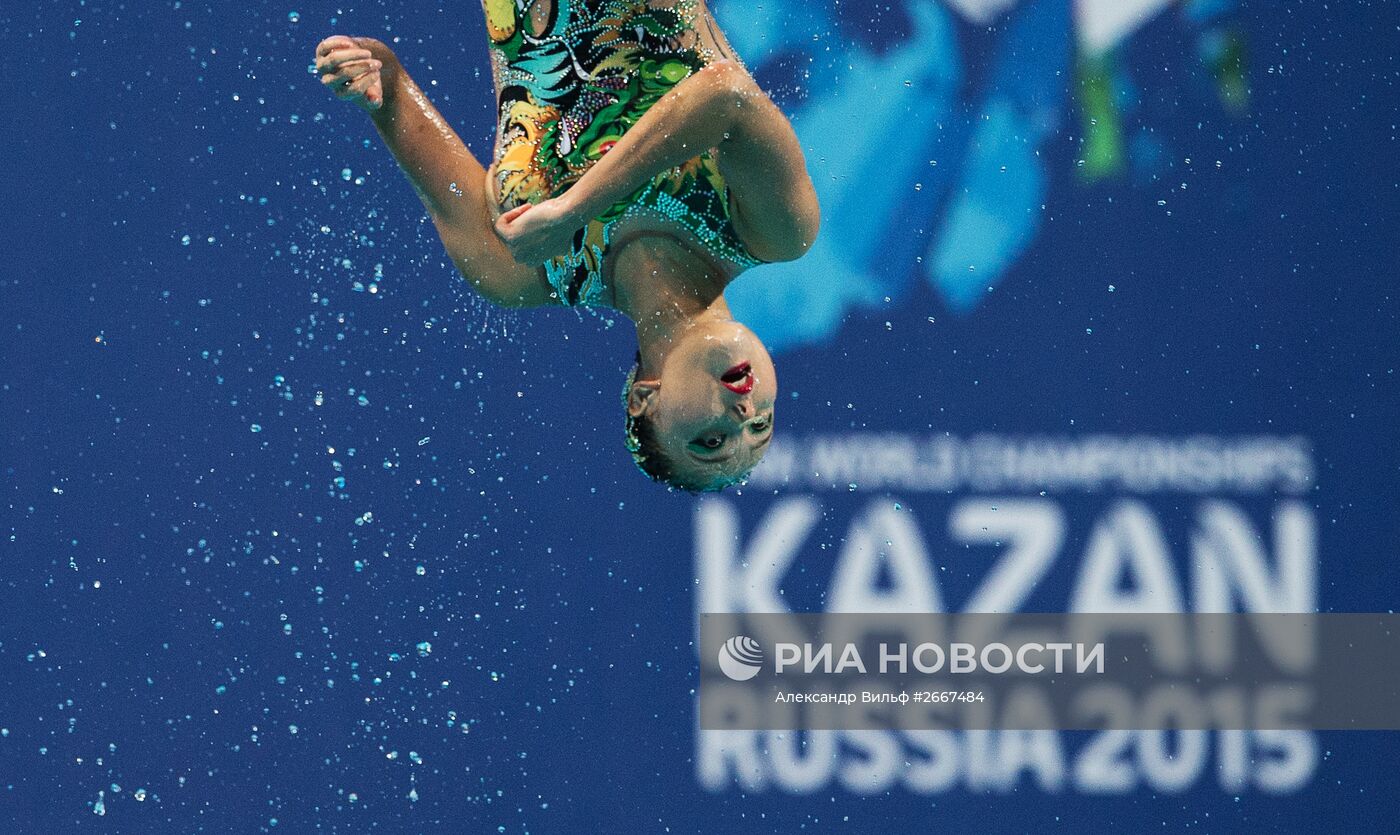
<point x="568" y="95"/>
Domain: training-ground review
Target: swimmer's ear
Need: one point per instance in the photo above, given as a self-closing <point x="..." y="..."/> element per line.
<point x="640" y="395"/>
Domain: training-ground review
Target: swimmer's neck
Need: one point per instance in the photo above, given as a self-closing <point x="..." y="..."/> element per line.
<point x="665" y="288"/>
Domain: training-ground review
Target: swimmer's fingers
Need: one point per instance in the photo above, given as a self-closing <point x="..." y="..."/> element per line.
<point x="367" y="88"/>
<point x="349" y="88"/>
<point x="333" y="61"/>
<point x="357" y="79"/>
<point x="371" y="87"/>
<point x="333" y="43"/>
<point x="352" y="71"/>
<point x="505" y="219"/>
<point x="535" y="234"/>
<point x="506" y="229"/>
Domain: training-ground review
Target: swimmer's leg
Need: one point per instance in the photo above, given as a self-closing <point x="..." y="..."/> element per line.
<point x="452" y="185"/>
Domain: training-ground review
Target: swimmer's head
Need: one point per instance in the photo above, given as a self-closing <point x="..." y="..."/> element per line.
<point x="705" y="419"/>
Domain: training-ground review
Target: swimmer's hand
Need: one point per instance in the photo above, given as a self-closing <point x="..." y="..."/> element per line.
<point x="536" y="233"/>
<point x="351" y="68"/>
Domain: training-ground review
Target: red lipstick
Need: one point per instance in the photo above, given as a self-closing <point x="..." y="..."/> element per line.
<point x="738" y="379"/>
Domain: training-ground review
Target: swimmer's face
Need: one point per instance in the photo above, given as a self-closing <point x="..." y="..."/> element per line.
<point x="710" y="412"/>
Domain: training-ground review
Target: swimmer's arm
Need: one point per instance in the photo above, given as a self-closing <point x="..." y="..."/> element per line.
<point x="447" y="177"/>
<point x="774" y="204"/>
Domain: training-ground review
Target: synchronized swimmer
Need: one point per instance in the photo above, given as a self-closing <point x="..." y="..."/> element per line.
<point x="637" y="167"/>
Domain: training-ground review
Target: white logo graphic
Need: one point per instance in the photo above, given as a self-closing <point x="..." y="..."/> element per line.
<point x="740" y="658"/>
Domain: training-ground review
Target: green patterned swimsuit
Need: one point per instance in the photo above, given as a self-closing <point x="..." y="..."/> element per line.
<point x="569" y="94"/>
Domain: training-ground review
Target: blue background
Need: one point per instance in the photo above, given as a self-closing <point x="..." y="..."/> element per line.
<point x="183" y="579"/>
